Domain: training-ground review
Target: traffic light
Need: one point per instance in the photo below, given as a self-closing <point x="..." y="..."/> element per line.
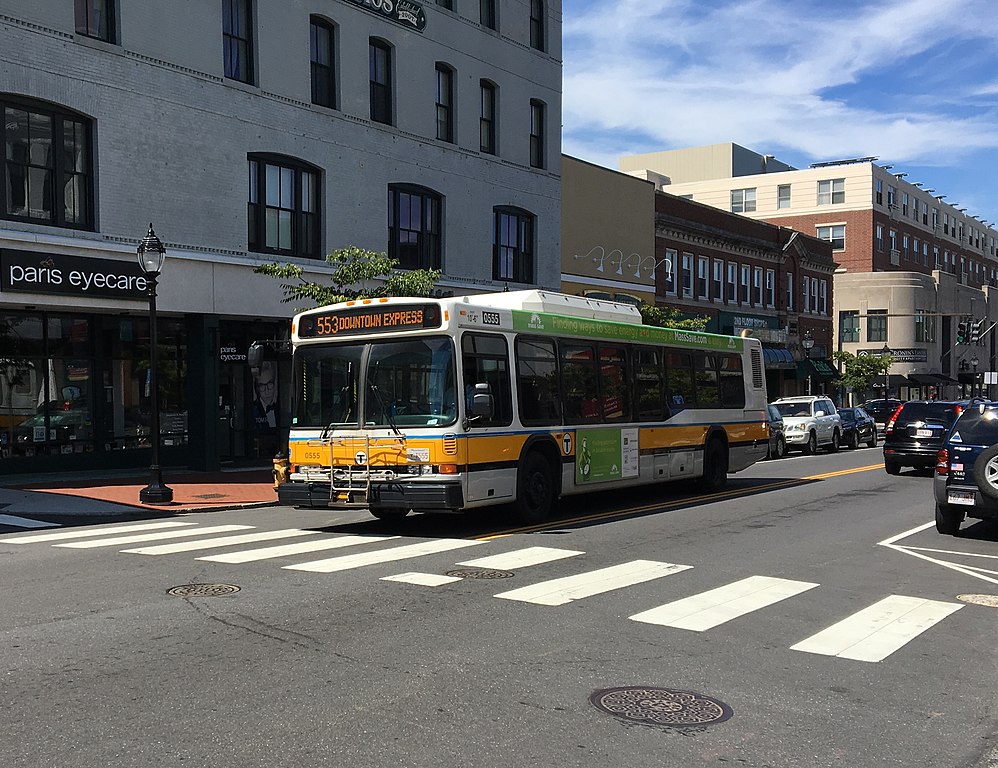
<point x="975" y="331"/>
<point x="962" y="332"/>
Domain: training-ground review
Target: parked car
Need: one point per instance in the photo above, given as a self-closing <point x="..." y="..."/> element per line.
<point x="777" y="434"/>
<point x="857" y="427"/>
<point x="915" y="433"/>
<point x="810" y="421"/>
<point x="966" y="478"/>
<point x="881" y="411"/>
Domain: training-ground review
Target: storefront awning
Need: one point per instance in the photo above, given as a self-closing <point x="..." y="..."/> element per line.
<point x="930" y="379"/>
<point x="817" y="368"/>
<point x="777" y="357"/>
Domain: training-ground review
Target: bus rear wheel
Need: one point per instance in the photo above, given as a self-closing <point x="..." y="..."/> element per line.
<point x="535" y="490"/>
<point x="715" y="466"/>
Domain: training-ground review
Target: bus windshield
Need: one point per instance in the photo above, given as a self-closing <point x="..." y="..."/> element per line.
<point x="394" y="383"/>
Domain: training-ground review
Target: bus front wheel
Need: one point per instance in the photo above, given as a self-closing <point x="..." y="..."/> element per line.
<point x="389" y="513"/>
<point x="535" y="490"/>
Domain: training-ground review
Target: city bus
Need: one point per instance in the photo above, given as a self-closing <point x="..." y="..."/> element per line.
<point x="516" y="398"/>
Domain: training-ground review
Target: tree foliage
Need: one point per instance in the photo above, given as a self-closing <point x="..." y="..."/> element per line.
<point x="357" y="274"/>
<point x="862" y="370"/>
<point x="670" y="317"/>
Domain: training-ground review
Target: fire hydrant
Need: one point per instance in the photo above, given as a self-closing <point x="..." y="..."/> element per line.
<point x="280" y="469"/>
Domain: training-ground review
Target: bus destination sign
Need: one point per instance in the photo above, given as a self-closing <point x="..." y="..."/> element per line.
<point x="384" y="318"/>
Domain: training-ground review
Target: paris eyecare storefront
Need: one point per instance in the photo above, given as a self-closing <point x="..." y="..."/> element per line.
<point x="75" y="363"/>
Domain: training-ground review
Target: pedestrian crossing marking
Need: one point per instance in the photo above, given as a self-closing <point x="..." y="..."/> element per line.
<point x="25" y="522"/>
<point x="709" y="609"/>
<point x="92" y="532"/>
<point x="221" y="541"/>
<point x="422" y="579"/>
<point x="569" y="588"/>
<point x="284" y="550"/>
<point x="345" y="562"/>
<point x="521" y="558"/>
<point x="135" y="538"/>
<point x="876" y="632"/>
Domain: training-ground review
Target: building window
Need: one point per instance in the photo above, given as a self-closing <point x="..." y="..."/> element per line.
<point x="743" y="200"/>
<point x="670" y="263"/>
<point x="95" y="18"/>
<point x="770" y="288"/>
<point x="414" y="227"/>
<point x="783" y="196"/>
<point x="876" y="325"/>
<point x="513" y="245"/>
<point x="687" y="275"/>
<point x="732" y="288"/>
<point x="935" y="219"/>
<point x="836" y="235"/>
<point x="448" y="4"/>
<point x="46" y="168"/>
<point x="702" y="266"/>
<point x="537" y="15"/>
<point x="487" y="11"/>
<point x="879" y="237"/>
<point x="790" y="292"/>
<point x="805" y="284"/>
<point x="831" y="191"/>
<point x="445" y="103"/>
<point x="237" y="40"/>
<point x="284" y="207"/>
<point x="879" y="194"/>
<point x="815" y="307"/>
<point x="925" y="326"/>
<point x="904" y="203"/>
<point x="323" y="53"/>
<point x="537" y="134"/>
<point x="904" y="247"/>
<point x="381" y="81"/>
<point x="849" y="326"/>
<point x="746" y="283"/>
<point x="823" y="296"/>
<point x="892" y="197"/>
<point x="487" y="121"/>
<point x="717" y="284"/>
<point x="757" y="286"/>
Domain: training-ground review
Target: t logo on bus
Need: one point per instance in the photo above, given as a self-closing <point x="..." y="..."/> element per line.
<point x="360" y="458"/>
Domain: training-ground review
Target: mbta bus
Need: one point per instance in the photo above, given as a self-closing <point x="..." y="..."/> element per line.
<point x="447" y="405"/>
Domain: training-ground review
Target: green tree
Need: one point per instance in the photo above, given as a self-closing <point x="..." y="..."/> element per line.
<point x="357" y="274"/>
<point x="670" y="317"/>
<point x="862" y="370"/>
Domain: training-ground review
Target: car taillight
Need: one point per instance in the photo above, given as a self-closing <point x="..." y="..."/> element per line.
<point x="890" y="422"/>
<point x="942" y="462"/>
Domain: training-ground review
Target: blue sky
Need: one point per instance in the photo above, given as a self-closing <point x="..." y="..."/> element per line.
<point x="913" y="82"/>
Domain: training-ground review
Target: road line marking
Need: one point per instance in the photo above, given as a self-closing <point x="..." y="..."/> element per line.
<point x="522" y="558"/>
<point x="284" y="550"/>
<point x="114" y="542"/>
<point x="222" y="541"/>
<point x="876" y="632"/>
<point x="569" y="588"/>
<point x="950" y="552"/>
<point x="422" y="579"/>
<point x="25" y="522"/>
<point x="90" y="532"/>
<point x="944" y="563"/>
<point x="709" y="609"/>
<point x="906" y="534"/>
<point x="346" y="562"/>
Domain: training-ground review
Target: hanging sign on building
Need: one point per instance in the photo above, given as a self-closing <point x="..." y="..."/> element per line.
<point x="403" y="12"/>
<point x="79" y="276"/>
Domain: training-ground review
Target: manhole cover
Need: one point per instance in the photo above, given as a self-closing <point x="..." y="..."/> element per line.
<point x="481" y="573"/>
<point x="661" y="706"/>
<point x="991" y="601"/>
<point x="202" y="590"/>
<point x="209" y="496"/>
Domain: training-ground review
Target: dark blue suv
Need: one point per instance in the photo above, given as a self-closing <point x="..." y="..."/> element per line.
<point x="966" y="478"/>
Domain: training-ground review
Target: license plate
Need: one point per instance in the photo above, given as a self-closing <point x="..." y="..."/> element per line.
<point x="961" y="497"/>
<point x="923" y="433"/>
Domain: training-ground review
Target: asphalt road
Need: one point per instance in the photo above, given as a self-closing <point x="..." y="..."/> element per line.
<point x="333" y="665"/>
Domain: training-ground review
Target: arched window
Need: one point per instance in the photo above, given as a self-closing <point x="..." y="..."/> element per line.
<point x="285" y="211"/>
<point x="414" y="226"/>
<point x="322" y="45"/>
<point x="513" y="245"/>
<point x="445" y="102"/>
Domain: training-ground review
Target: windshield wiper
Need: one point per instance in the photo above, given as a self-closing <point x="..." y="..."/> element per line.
<point x="384" y="408"/>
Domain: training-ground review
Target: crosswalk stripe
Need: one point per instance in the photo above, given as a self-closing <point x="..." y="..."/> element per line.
<point x="221" y="541"/>
<point x="345" y="562"/>
<point x="25" y="522"/>
<point x="875" y="632"/>
<point x="116" y="541"/>
<point x="285" y="550"/>
<point x="422" y="579"/>
<point x="569" y="588"/>
<point x="521" y="558"/>
<point x="716" y="606"/>
<point x="90" y="532"/>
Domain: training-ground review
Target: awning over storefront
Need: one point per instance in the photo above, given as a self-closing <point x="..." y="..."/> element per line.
<point x="930" y="379"/>
<point x="777" y="357"/>
<point x="817" y="368"/>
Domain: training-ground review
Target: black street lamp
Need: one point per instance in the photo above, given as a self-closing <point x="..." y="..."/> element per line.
<point x="887" y="372"/>
<point x="808" y="343"/>
<point x="151" y="254"/>
<point x="974" y="362"/>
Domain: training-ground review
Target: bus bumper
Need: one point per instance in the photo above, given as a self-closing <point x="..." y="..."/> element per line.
<point x="422" y="497"/>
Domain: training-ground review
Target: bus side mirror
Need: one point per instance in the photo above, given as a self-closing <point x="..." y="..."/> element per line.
<point x="482" y="404"/>
<point x="254" y="355"/>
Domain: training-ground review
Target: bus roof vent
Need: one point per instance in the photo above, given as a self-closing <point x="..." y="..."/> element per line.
<point x="561" y="304"/>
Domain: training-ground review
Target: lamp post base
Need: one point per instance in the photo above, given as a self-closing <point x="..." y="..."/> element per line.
<point x="156" y="492"/>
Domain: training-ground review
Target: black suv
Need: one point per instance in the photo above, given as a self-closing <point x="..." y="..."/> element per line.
<point x="966" y="479"/>
<point x="881" y="410"/>
<point x="916" y="431"/>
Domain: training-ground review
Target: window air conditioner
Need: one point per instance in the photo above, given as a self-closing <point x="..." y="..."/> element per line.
<point x="895" y="256"/>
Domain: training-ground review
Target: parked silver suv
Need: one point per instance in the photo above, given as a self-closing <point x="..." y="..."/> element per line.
<point x="810" y="421"/>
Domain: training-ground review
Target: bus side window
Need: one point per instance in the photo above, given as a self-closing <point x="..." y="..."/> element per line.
<point x="485" y="360"/>
<point x="579" y="384"/>
<point x="537" y="380"/>
<point x="732" y="382"/>
<point x="613" y="378"/>
<point x="679" y="381"/>
<point x="705" y="368"/>
<point x="649" y="390"/>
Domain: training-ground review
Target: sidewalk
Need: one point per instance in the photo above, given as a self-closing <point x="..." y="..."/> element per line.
<point x="192" y="491"/>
